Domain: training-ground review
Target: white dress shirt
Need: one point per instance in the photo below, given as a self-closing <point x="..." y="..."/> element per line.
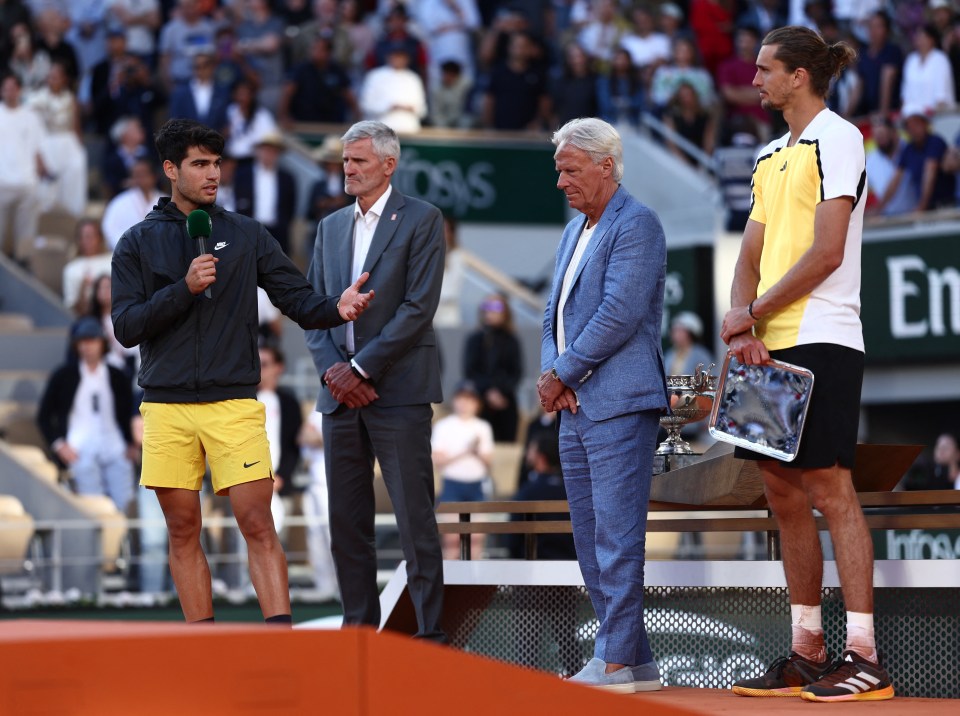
<point x="265" y="189"/>
<point x="364" y="226"/>
<point x="582" y="243"/>
<point x="202" y="96"/>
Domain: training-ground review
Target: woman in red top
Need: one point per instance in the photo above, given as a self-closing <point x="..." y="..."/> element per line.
<point x="712" y="25"/>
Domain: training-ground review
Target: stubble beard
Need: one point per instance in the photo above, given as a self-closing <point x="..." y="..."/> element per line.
<point x="351" y="188"/>
<point x="201" y="199"/>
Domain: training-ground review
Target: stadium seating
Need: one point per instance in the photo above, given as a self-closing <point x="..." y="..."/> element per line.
<point x="16" y="531"/>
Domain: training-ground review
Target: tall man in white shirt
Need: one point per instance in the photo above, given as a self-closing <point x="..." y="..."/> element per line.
<point x="20" y="170"/>
<point x="380" y="376"/>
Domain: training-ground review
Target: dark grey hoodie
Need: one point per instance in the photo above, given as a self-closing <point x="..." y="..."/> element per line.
<point x="193" y="348"/>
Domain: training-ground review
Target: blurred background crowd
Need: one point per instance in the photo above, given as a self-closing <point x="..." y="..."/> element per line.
<point x="99" y="75"/>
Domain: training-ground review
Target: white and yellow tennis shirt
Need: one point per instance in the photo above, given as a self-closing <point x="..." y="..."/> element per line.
<point x="788" y="183"/>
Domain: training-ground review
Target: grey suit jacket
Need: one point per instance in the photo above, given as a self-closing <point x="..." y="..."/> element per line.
<point x="394" y="338"/>
<point x="613" y="312"/>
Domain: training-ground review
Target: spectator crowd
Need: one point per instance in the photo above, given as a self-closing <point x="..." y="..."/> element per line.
<point x="85" y="82"/>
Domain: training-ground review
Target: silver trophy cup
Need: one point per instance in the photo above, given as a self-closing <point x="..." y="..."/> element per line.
<point x="691" y="399"/>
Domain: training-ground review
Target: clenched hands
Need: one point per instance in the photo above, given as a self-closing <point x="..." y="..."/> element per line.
<point x="348" y="388"/>
<point x="554" y="395"/>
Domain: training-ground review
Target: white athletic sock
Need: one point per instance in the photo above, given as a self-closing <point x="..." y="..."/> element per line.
<point x="860" y="636"/>
<point x="807" y="628"/>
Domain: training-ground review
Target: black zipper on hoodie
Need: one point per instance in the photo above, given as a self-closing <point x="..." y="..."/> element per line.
<point x="197" y="301"/>
<point x="197" y="351"/>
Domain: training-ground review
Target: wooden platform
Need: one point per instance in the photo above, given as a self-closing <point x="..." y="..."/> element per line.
<point x="72" y="667"/>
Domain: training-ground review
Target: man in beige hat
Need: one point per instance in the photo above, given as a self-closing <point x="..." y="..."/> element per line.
<point x="327" y="194"/>
<point x="266" y="192"/>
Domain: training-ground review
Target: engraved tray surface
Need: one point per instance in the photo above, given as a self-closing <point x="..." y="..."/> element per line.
<point x="762" y="407"/>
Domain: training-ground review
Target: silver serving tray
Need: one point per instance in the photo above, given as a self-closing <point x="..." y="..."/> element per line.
<point x="762" y="407"/>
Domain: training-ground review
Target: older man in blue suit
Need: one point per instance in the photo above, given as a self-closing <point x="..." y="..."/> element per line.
<point x="602" y="368"/>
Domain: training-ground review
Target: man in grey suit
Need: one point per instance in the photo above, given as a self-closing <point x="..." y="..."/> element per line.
<point x="602" y="369"/>
<point x="380" y="376"/>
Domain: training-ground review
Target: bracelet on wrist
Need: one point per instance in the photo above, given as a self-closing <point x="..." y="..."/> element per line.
<point x="750" y="310"/>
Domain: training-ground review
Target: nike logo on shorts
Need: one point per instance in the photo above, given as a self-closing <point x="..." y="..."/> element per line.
<point x="251" y="464"/>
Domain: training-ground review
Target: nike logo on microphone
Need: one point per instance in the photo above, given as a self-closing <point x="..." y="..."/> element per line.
<point x="251" y="464"/>
<point x="221" y="245"/>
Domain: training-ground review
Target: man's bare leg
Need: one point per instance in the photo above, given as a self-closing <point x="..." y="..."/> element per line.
<point x="832" y="493"/>
<point x="268" y="563"/>
<point x="799" y="540"/>
<point x="188" y="564"/>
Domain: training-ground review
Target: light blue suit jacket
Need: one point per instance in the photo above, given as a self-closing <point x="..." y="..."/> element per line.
<point x="613" y="313"/>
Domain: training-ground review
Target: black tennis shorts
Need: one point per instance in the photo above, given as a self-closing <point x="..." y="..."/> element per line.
<point x="833" y="417"/>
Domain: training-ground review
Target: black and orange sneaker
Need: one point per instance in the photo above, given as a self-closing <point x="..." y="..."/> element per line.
<point x="851" y="678"/>
<point x="785" y="677"/>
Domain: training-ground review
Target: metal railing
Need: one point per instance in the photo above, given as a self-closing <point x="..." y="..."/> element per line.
<point x="45" y="567"/>
<point x="662" y="132"/>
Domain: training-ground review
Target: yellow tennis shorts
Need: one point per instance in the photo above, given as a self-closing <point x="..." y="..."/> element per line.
<point x="230" y="434"/>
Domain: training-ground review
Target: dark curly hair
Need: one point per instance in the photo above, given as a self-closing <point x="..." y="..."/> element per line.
<point x="176" y="136"/>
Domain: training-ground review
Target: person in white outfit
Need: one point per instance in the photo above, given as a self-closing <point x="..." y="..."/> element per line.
<point x="394" y="94"/>
<point x="21" y="166"/>
<point x="131" y="206"/>
<point x="462" y="451"/>
<point x="63" y="153"/>
<point x="448" y="26"/>
<point x="927" y="74"/>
